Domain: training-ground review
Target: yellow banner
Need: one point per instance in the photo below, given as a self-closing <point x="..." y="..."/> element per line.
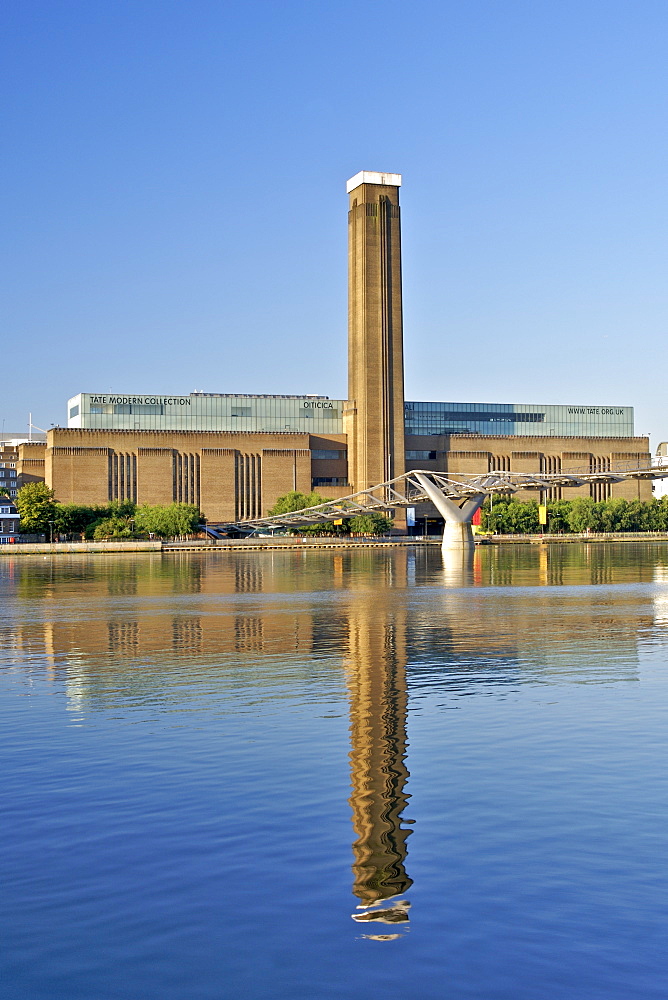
<point x="542" y="513"/>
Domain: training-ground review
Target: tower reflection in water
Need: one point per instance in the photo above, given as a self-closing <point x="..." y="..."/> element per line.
<point x="376" y="670"/>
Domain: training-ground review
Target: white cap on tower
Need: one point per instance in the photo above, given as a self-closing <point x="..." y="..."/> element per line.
<point x="373" y="177"/>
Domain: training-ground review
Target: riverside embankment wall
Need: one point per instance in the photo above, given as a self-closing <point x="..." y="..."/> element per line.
<point x="226" y="545"/>
<point x="263" y="544"/>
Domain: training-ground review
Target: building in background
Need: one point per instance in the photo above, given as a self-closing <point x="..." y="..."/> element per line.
<point x="21" y="461"/>
<point x="9" y="521"/>
<point x="660" y="486"/>
<point x="8" y="473"/>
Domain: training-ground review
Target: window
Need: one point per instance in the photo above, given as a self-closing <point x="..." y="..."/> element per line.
<point x="147" y="409"/>
<point x="419" y="456"/>
<point x="74" y="411"/>
<point x="329" y="481"/>
<point x="325" y="453"/>
<point x="5" y="510"/>
<point x="12" y="473"/>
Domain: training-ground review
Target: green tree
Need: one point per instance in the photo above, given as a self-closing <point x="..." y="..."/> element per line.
<point x="113" y="527"/>
<point x="523" y="517"/>
<point x="612" y="512"/>
<point x="294" y="501"/>
<point x="71" y="518"/>
<point x="37" y="507"/>
<point x="581" y="514"/>
<point x="121" y="508"/>
<point x="372" y="523"/>
<point x="4" y="492"/>
<point x="662" y="513"/>
<point x="557" y="516"/>
<point x="166" y="522"/>
<point x="74" y="518"/>
<point x="640" y="515"/>
<point x="507" y="516"/>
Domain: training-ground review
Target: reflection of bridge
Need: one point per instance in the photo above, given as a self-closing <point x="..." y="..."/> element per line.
<point x="456" y="497"/>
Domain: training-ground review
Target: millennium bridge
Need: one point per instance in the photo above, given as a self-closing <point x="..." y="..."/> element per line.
<point x="456" y="497"/>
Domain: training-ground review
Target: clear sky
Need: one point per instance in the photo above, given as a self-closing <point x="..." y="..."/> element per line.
<point x="174" y="207"/>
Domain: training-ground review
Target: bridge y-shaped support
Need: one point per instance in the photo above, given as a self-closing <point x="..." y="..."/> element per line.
<point x="457" y="531"/>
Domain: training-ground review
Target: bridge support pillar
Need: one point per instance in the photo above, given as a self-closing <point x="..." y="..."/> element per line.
<point x="457" y="532"/>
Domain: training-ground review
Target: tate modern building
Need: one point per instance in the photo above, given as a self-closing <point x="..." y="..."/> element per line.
<point x="233" y="455"/>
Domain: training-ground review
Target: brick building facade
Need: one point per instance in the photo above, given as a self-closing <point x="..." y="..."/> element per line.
<point x="229" y="475"/>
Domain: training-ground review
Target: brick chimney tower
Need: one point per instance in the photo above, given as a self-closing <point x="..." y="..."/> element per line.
<point x="375" y="418"/>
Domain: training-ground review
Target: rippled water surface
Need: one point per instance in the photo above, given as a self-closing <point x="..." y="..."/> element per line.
<point x="335" y="775"/>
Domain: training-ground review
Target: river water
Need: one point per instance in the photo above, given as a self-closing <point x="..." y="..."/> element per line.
<point x="336" y="775"/>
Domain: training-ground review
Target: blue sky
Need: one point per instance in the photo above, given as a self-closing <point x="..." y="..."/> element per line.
<point x="174" y="207"/>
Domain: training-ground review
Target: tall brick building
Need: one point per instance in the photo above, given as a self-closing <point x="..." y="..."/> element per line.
<point x="233" y="455"/>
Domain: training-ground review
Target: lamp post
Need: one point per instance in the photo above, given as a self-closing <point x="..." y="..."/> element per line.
<point x="131" y="522"/>
<point x="51" y="531"/>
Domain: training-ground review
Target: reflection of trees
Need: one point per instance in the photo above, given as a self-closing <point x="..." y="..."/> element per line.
<point x="376" y="668"/>
<point x="567" y="563"/>
<point x="122" y="583"/>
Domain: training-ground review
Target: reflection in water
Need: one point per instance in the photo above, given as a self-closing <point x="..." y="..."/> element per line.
<point x="187" y="634"/>
<point x="376" y="671"/>
<point x="660" y="596"/>
<point x="123" y="636"/>
<point x="458" y="566"/>
<point x="248" y="634"/>
<point x="175" y="633"/>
